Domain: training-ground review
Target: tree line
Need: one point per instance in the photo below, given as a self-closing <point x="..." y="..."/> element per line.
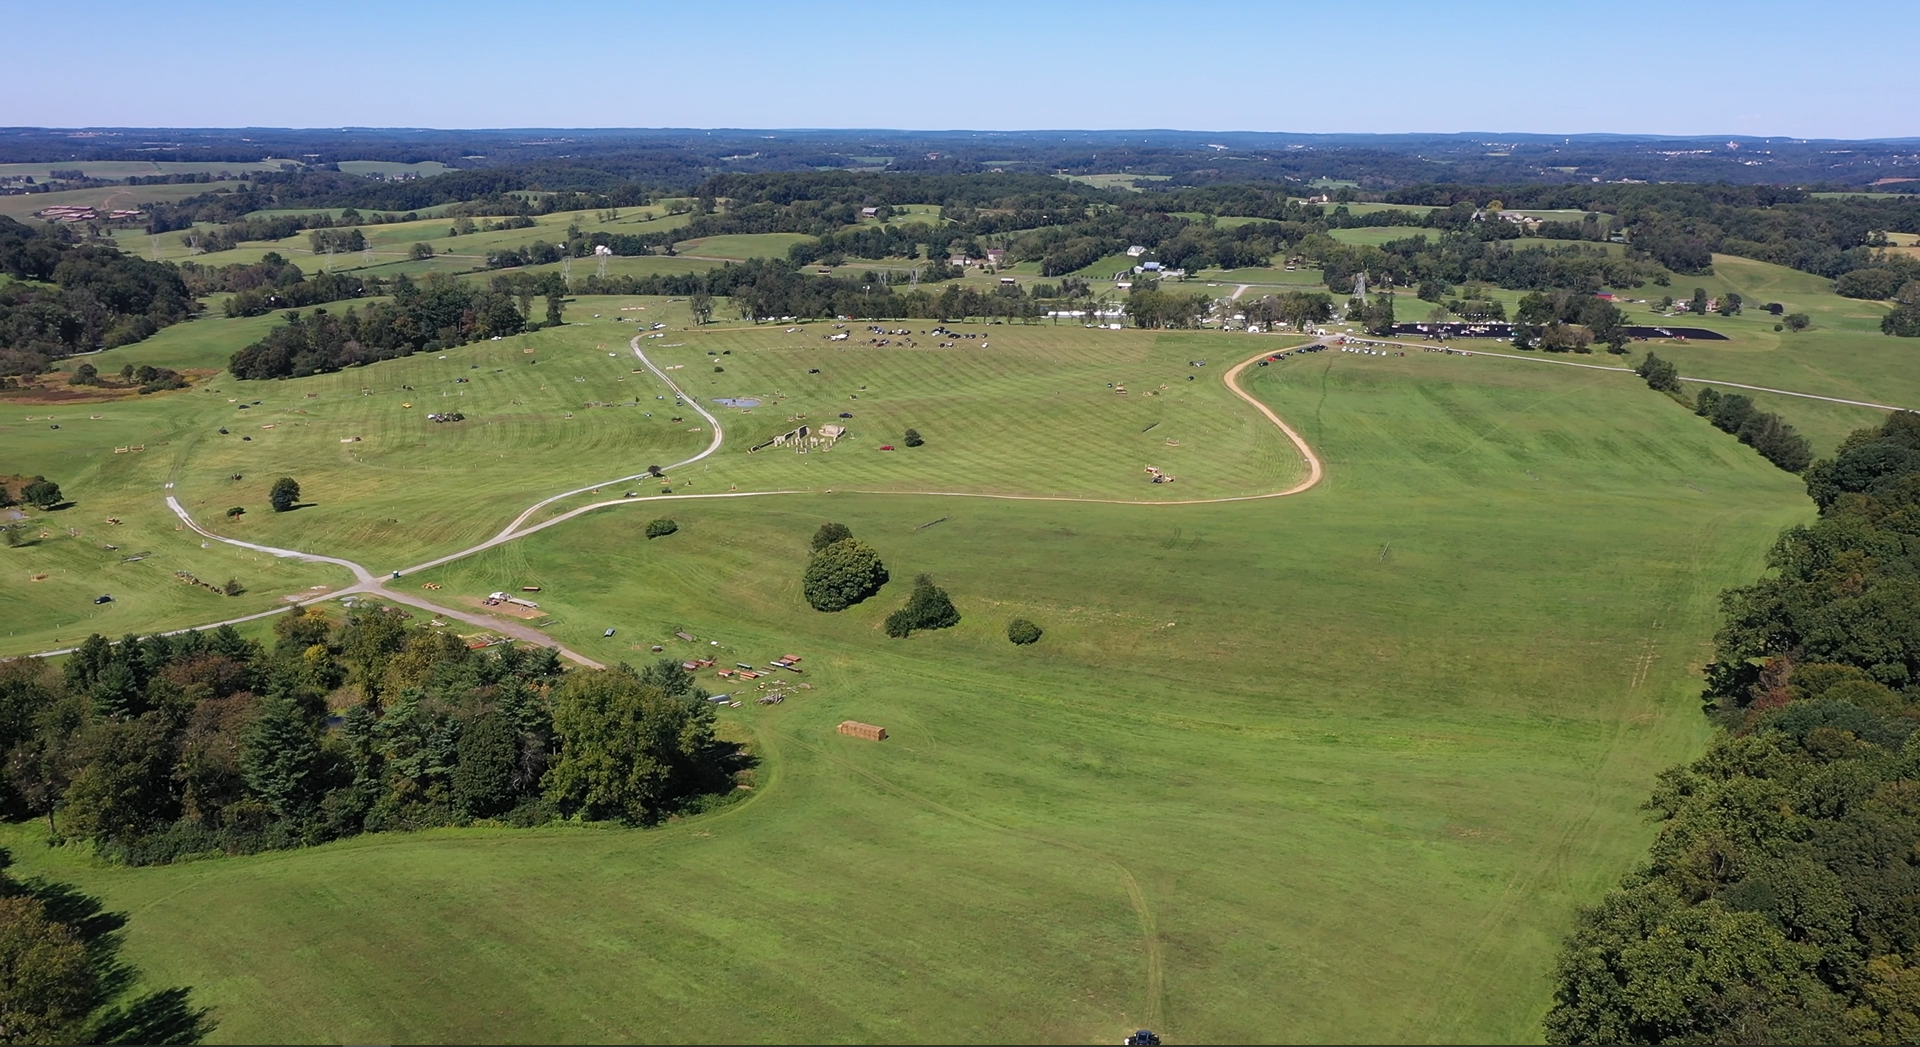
<point x="429" y="315"/>
<point x="273" y="283"/>
<point x="160" y="748"/>
<point x="1777" y="902"/>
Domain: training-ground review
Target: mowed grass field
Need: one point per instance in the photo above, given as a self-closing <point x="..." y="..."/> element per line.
<point x="406" y="488"/>
<point x="1337" y="766"/>
<point x="1008" y="409"/>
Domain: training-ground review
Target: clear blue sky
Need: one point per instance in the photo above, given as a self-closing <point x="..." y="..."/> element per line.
<point x="1759" y="67"/>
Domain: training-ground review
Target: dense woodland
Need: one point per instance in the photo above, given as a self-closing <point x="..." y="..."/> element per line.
<point x="160" y="748"/>
<point x="66" y="297"/>
<point x="1781" y="901"/>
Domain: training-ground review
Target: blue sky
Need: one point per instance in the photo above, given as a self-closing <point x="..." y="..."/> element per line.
<point x="1380" y="66"/>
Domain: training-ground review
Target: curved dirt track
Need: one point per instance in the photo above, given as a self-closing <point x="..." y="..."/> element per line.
<point x="370" y="583"/>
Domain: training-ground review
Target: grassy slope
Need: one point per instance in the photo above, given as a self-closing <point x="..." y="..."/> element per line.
<point x="1399" y="730"/>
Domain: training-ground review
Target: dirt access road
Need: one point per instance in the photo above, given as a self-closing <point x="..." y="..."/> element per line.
<point x="369" y="583"/>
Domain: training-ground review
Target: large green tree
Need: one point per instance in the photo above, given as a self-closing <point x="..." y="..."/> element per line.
<point x="842" y="574"/>
<point x="629" y="751"/>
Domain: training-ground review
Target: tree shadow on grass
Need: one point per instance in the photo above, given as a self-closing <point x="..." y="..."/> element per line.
<point x="165" y="1016"/>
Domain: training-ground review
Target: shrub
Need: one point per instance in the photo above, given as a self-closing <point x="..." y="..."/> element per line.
<point x="285" y="494"/>
<point x="912" y="438"/>
<point x="842" y="574"/>
<point x="1798" y="321"/>
<point x="928" y="608"/>
<point x="238" y="510"/>
<point x="830" y="533"/>
<point x="420" y="250"/>
<point x="233" y="587"/>
<point x="661" y="528"/>
<point x="42" y="493"/>
<point x="1022" y="632"/>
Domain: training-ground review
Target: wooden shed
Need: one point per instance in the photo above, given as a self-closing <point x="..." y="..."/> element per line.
<point x="856" y="729"/>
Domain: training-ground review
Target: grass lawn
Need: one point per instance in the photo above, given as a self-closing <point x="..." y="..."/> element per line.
<point x="741" y="246"/>
<point x="107" y="169"/>
<point x="389" y="168"/>
<point x="1330" y="767"/>
<point x="1380" y="234"/>
<point x="22" y="208"/>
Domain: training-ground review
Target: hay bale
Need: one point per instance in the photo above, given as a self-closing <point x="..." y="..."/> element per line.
<point x="856" y="729"/>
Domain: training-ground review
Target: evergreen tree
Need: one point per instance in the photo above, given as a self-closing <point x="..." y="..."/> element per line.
<point x="280" y="758"/>
<point x="489" y="753"/>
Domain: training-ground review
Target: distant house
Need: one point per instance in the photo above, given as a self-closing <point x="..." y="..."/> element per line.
<point x="869" y="212"/>
<point x="959" y="260"/>
<point x="1605" y="296"/>
<point x="1147" y="267"/>
<point x="995" y="255"/>
<point x="1136" y="251"/>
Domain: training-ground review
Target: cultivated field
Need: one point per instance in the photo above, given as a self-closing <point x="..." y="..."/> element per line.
<point x="1332" y="766"/>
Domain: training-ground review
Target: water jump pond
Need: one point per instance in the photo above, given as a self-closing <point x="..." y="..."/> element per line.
<point x="736" y="401"/>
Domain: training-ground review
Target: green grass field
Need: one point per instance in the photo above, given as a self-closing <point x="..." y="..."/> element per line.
<point x="1379" y="234"/>
<point x="135" y="168"/>
<point x="23" y="207"/>
<point x="422" y="169"/>
<point x="742" y="246"/>
<point x="1330" y="767"/>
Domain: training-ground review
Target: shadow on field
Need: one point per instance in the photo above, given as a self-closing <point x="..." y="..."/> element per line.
<point x="165" y="1016"/>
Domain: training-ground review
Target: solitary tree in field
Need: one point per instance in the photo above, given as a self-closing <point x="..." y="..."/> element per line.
<point x="702" y="306"/>
<point x="285" y="494"/>
<point x="554" y="308"/>
<point x="841" y="575"/>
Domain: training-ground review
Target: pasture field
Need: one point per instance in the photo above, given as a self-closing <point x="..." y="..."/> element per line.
<point x="21" y="208"/>
<point x="389" y="168"/>
<point x="1337" y="766"/>
<point x="406" y="488"/>
<point x="391" y="242"/>
<point x="1037" y="411"/>
<point x="105" y="169"/>
<point x="739" y="247"/>
<point x="1379" y="234"/>
<point x="1114" y="180"/>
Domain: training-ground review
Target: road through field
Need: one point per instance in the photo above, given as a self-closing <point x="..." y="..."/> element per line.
<point x="369" y="583"/>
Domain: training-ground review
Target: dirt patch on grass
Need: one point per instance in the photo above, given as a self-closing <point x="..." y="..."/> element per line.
<point x="510" y="610"/>
<point x="52" y="389"/>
